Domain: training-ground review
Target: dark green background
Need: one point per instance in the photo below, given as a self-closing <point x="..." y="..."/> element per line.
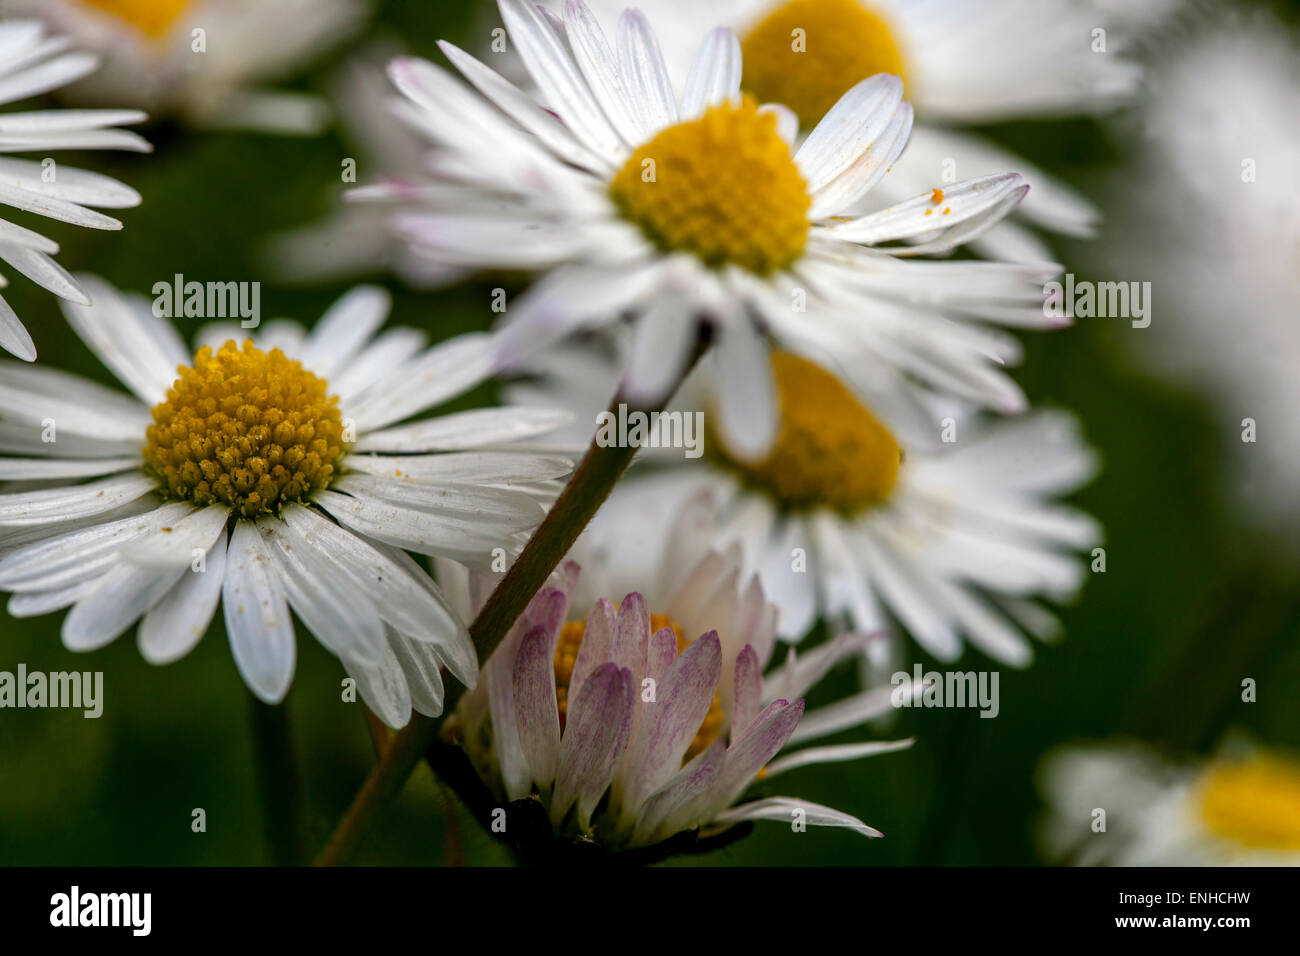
<point x="1156" y="647"/>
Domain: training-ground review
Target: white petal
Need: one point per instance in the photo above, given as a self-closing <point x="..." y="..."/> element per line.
<point x="77" y="501"/>
<point x="471" y="429"/>
<point x="174" y="625"/>
<point x="715" y="75"/>
<point x="119" y="600"/>
<point x="257" y="616"/>
<point x="344" y="329"/>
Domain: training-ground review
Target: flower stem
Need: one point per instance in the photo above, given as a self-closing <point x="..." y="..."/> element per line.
<point x="585" y="492"/>
<point x="277" y="781"/>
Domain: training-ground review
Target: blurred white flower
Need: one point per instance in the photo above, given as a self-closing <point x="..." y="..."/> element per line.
<point x="1125" y="805"/>
<point x="355" y="240"/>
<point x="950" y="525"/>
<point x="1208" y="212"/>
<point x="205" y="61"/>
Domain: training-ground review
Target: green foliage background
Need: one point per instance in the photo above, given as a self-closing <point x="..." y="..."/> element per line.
<point x="1156" y="647"/>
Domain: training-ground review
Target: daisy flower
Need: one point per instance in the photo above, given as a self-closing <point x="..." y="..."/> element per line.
<point x="354" y="240"/>
<point x="32" y="62"/>
<point x="206" y="60"/>
<point x="963" y="64"/>
<point x="950" y="527"/>
<point x="1217" y="145"/>
<point x="696" y="209"/>
<point x="266" y="474"/>
<point x="1236" y="809"/>
<point x="636" y="722"/>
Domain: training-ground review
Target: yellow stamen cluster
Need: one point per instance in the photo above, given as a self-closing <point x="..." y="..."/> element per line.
<point x="1254" y="802"/>
<point x="831" y="451"/>
<point x="566" y="656"/>
<point x="250" y="429"/>
<point x="724" y="187"/>
<point x="806" y="54"/>
<point x="153" y="18"/>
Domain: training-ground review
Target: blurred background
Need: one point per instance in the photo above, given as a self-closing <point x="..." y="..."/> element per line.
<point x="1200" y="588"/>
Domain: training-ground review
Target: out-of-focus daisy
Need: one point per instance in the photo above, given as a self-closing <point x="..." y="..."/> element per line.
<point x="1218" y="145"/>
<point x="273" y="472"/>
<point x="963" y="64"/>
<point x="1237" y="809"/>
<point x="355" y="240"/>
<point x="32" y="62"/>
<point x="639" y="721"/>
<point x="678" y="211"/>
<point x="953" y="529"/>
<point x="206" y="60"/>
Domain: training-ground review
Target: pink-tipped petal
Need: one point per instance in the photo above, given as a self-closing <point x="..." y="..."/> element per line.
<point x="535" y="709"/>
<point x="670" y="722"/>
<point x="597" y="639"/>
<point x="663" y="651"/>
<point x="660" y="815"/>
<point x="747" y="692"/>
<point x="632" y="635"/>
<point x="595" y="735"/>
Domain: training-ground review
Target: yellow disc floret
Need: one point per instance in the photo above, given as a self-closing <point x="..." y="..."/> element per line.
<point x="806" y="54"/>
<point x="831" y="450"/>
<point x="724" y="187"/>
<point x="153" y="18"/>
<point x="566" y="656"/>
<point x="241" y="427"/>
<point x="1255" y="802"/>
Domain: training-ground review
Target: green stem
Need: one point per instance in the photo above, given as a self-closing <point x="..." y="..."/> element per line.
<point x="277" y="781"/>
<point x="586" y="491"/>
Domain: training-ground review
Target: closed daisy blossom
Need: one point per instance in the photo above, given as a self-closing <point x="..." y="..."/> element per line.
<point x="637" y="721"/>
<point x="963" y="64"/>
<point x="33" y="62"/>
<point x="951" y="525"/>
<point x="264" y="474"/>
<point x="1239" y="808"/>
<point x="698" y="208"/>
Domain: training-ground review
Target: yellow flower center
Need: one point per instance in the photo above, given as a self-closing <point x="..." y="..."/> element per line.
<point x="566" y="655"/>
<point x="806" y="54"/>
<point x="153" y="18"/>
<point x="250" y="429"/>
<point x="1254" y="802"/>
<point x="723" y="187"/>
<point x="831" y="450"/>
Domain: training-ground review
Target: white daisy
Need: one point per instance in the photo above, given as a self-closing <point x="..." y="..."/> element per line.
<point x="206" y="60"/>
<point x="963" y="64"/>
<point x="1237" y="809"/>
<point x="266" y="483"/>
<point x="678" y="211"/>
<point x="952" y="529"/>
<point x="354" y="240"/>
<point x="1206" y="213"/>
<point x="32" y="62"/>
<point x="643" y="720"/>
